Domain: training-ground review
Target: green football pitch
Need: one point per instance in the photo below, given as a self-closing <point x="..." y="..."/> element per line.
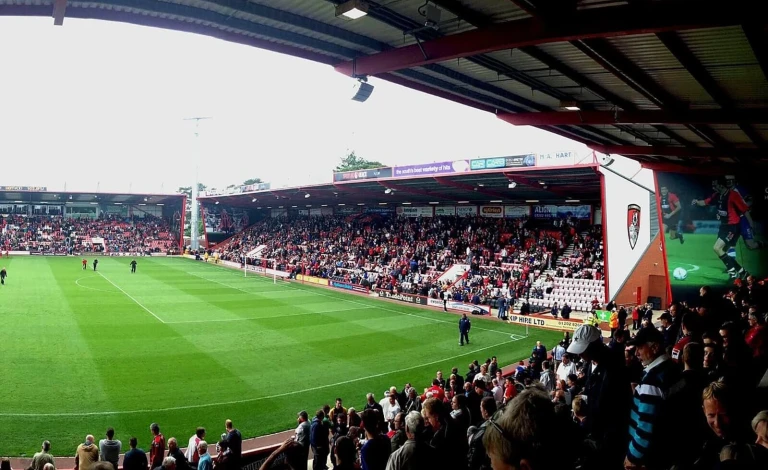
<point x="704" y="267"/>
<point x="187" y="344"/>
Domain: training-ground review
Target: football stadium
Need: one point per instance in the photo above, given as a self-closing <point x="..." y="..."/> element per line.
<point x="572" y="304"/>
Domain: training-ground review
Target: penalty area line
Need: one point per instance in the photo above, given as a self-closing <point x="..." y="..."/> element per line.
<point x="251" y="400"/>
<point x="131" y="297"/>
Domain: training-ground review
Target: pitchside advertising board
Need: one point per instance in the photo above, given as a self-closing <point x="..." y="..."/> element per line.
<point x="694" y="263"/>
<point x="627" y="222"/>
<point x="408" y="211"/>
<point x="460" y="306"/>
<point x="543" y="322"/>
<point x="407" y="298"/>
<point x="551" y="211"/>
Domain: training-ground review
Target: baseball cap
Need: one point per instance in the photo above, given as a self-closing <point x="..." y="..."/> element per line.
<point x="582" y="337"/>
<point x="647" y="335"/>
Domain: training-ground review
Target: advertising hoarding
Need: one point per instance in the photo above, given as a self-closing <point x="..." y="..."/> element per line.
<point x="428" y="169"/>
<point x="513" y="161"/>
<point x="445" y="210"/>
<point x="517" y="212"/>
<point x="466" y="211"/>
<point x="358" y="175"/>
<point x="496" y="212"/>
<point x="408" y="211"/>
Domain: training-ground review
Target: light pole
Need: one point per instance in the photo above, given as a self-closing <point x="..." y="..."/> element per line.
<point x="195" y="243"/>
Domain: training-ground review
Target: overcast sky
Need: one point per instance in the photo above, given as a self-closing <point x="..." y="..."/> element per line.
<point x="98" y="103"/>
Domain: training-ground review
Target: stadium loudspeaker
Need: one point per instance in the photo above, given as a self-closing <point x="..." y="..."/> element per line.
<point x="362" y="91"/>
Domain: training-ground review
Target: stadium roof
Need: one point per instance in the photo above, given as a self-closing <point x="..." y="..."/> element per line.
<point x="665" y="80"/>
<point x="554" y="185"/>
<point x="53" y="197"/>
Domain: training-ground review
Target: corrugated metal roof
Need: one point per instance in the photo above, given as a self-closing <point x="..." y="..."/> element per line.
<point x="497" y="11"/>
<point x="646" y="51"/>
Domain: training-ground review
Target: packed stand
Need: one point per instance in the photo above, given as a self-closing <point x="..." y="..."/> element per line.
<point x="65" y="235"/>
<point x="408" y="255"/>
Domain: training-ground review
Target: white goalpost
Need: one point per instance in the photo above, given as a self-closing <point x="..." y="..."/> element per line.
<point x="272" y="261"/>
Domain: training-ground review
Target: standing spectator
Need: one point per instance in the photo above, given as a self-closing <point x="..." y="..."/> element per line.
<point x="566" y="312"/>
<point x="302" y="433"/>
<point x="497" y="391"/>
<point x="622" y="318"/>
<point x="413" y="403"/>
<point x="464" y="326"/>
<point x="205" y="462"/>
<point x="522" y="437"/>
<point x="722" y="409"/>
<point x="318" y="440"/>
<point x="539" y="353"/>
<point x="460" y="412"/>
<point x="650" y="430"/>
<point x="177" y="454"/>
<point x="157" y="452"/>
<point x="135" y="459"/>
<point x="338" y="409"/>
<point x="510" y="391"/>
<point x="449" y="442"/>
<point x="393" y="408"/>
<point x="557" y="353"/>
<point x="566" y="368"/>
<point x="345" y="454"/>
<point x="757" y="336"/>
<point x="688" y="326"/>
<point x="635" y="318"/>
<point x="614" y="321"/>
<point x="87" y="454"/>
<point x="109" y="448"/>
<point x="397" y="435"/>
<point x="192" y="455"/>
<point x="494" y="367"/>
<point x="377" y="448"/>
<point x="685" y="405"/>
<point x="415" y="454"/>
<point x="606" y="386"/>
<point x="372" y="405"/>
<point x="668" y="329"/>
<point x="235" y="440"/>
<point x="547" y="377"/>
<point x="43" y="457"/>
<point x="477" y="458"/>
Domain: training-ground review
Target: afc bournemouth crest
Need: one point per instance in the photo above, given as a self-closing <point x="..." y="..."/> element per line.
<point x="633" y="224"/>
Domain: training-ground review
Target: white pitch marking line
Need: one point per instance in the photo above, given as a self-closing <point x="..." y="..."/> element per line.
<point x="265" y="318"/>
<point x="356" y="302"/>
<point x="251" y="400"/>
<point x="131" y="297"/>
<point x="92" y="288"/>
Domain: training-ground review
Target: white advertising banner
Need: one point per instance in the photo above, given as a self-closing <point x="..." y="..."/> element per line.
<point x="460" y="306"/>
<point x="466" y="211"/>
<point x="556" y="159"/>
<point x="517" y="212"/>
<point x="279" y="212"/>
<point x="496" y="212"/>
<point x="316" y="211"/>
<point x="445" y="210"/>
<point x="627" y="221"/>
<point x="415" y="211"/>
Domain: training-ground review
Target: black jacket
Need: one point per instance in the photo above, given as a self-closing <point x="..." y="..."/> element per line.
<point x="477" y="458"/>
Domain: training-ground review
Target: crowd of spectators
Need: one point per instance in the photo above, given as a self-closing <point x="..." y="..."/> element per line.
<point x="66" y="235"/>
<point x="634" y="403"/>
<point x="505" y="257"/>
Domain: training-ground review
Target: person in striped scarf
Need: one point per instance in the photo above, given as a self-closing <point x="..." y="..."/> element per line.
<point x="650" y="423"/>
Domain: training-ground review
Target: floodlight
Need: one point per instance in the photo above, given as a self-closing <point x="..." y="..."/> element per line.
<point x="353" y="9"/>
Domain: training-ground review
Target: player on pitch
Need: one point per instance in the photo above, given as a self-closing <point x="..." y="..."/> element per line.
<point x="671" y="210"/>
<point x="85" y="264"/>
<point x="3" y="275"/>
<point x="133" y="266"/>
<point x="730" y="208"/>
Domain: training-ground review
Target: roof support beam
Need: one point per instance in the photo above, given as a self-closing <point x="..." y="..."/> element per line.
<point x="690" y="62"/>
<point x="59" y="7"/>
<point x="757" y="35"/>
<point x="585" y="118"/>
<point x="584" y="24"/>
<point x="682" y="152"/>
<point x="631" y="74"/>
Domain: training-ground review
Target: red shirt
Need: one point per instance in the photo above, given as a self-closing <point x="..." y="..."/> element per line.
<point x="157" y="452"/>
<point x="757" y="340"/>
<point x="730" y="207"/>
<point x="677" y="349"/>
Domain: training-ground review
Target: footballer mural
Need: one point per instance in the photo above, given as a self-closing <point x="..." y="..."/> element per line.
<point x="714" y="230"/>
